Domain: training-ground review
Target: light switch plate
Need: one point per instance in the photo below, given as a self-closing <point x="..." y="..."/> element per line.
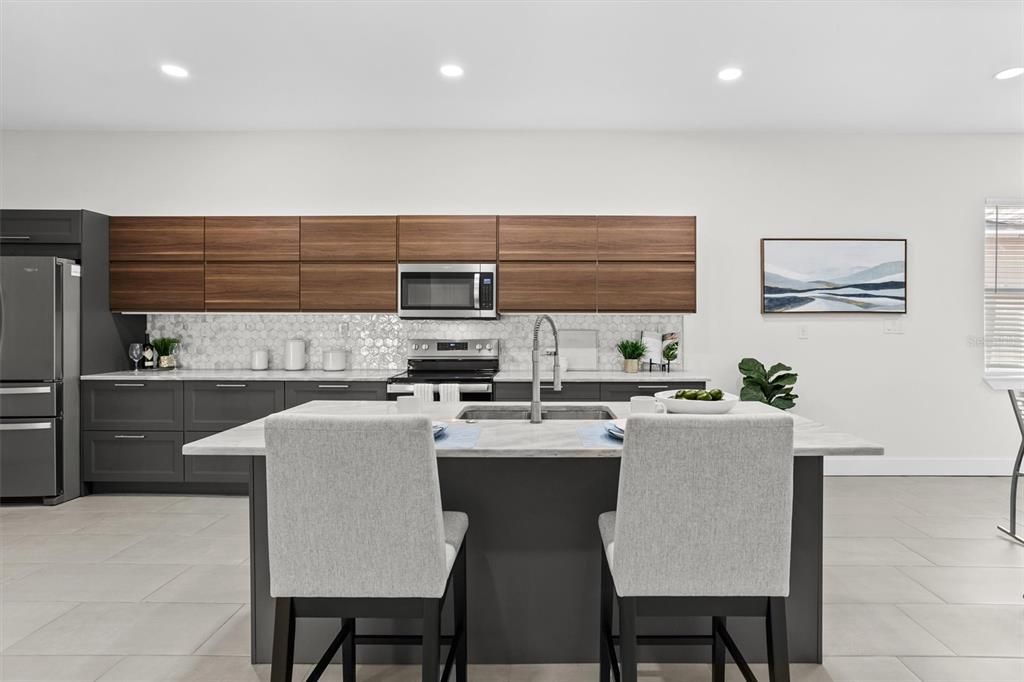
<point x="802" y="332"/>
<point x="893" y="325"/>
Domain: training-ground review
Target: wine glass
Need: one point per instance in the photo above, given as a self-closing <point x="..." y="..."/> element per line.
<point x="135" y="354"/>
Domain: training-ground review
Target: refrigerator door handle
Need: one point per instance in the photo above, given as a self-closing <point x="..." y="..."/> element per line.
<point x="30" y="426"/>
<point x="24" y="390"/>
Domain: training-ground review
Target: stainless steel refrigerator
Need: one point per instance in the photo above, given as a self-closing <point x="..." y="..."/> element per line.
<point x="39" y="370"/>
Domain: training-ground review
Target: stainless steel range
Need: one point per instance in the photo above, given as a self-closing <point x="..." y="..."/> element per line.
<point x="470" y="363"/>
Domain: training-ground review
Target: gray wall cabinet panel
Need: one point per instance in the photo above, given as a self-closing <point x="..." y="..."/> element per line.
<point x="220" y="405"/>
<point x="299" y="392"/>
<point x="213" y="469"/>
<point x="624" y="391"/>
<point x="517" y="391"/>
<point x="135" y="405"/>
<point x="132" y="456"/>
<point x="40" y="227"/>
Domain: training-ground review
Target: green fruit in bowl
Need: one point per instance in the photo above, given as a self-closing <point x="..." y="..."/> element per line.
<point x="700" y="394"/>
<point x="716" y="393"/>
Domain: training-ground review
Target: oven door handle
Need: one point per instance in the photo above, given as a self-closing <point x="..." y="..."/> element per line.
<point x="406" y="389"/>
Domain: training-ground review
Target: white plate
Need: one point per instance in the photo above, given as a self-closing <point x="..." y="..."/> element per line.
<point x="674" y="406"/>
<point x="610" y="428"/>
<point x="439" y="428"/>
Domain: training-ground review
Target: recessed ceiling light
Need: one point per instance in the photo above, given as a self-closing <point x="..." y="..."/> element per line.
<point x="730" y="74"/>
<point x="174" y="71"/>
<point x="452" y="71"/>
<point x="1006" y="74"/>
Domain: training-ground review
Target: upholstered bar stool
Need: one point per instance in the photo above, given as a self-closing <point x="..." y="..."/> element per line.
<point x="702" y="528"/>
<point x="355" y="530"/>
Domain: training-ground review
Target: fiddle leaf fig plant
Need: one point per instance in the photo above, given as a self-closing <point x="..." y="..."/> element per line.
<point x="772" y="386"/>
<point x="671" y="351"/>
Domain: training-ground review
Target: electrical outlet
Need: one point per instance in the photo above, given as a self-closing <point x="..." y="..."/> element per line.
<point x="802" y="332"/>
<point x="893" y="325"/>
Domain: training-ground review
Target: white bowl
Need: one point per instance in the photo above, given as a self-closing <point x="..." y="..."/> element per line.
<point x="675" y="406"/>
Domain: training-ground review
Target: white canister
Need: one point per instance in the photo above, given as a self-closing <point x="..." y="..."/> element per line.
<point x="259" y="359"/>
<point x="334" y="360"/>
<point x="295" y="354"/>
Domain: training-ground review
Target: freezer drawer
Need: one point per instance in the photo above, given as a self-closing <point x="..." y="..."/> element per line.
<point x="28" y="400"/>
<point x="28" y="457"/>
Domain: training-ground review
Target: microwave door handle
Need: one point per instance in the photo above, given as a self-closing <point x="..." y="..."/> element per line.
<point x="476" y="291"/>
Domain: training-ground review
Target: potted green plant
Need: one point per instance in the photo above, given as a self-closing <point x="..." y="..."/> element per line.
<point x="166" y="348"/>
<point x="631" y="352"/>
<point x="772" y="386"/>
<point x="670" y="353"/>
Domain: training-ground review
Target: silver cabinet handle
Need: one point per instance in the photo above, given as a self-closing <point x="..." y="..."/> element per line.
<point x="230" y="385"/>
<point x="30" y="426"/>
<point x="652" y="386"/>
<point x="129" y="385"/>
<point x="15" y="236"/>
<point x="23" y="390"/>
<point x="135" y="436"/>
<point x="332" y="385"/>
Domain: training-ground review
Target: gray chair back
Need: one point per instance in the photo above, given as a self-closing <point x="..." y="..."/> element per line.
<point x="705" y="506"/>
<point x="354" y="507"/>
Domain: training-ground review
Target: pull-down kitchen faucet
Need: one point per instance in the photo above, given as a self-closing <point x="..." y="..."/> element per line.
<point x="535" y="411"/>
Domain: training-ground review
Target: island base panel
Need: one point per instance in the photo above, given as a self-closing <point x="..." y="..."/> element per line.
<point x="534" y="568"/>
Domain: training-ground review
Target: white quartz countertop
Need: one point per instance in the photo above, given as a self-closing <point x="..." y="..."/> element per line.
<point x="506" y="438"/>
<point x="379" y="375"/>
<point x="605" y="376"/>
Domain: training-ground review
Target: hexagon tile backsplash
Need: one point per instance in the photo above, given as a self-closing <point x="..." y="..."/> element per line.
<point x="378" y="341"/>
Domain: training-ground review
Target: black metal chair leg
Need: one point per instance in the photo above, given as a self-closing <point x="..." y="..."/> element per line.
<point x="607" y="606"/>
<point x="283" y="656"/>
<point x="778" y="641"/>
<point x="717" y="650"/>
<point x="627" y="639"/>
<point x="431" y="640"/>
<point x="461" y="621"/>
<point x="348" y="653"/>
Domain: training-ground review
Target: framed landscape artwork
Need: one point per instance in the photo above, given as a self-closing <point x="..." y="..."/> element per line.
<point x="833" y="275"/>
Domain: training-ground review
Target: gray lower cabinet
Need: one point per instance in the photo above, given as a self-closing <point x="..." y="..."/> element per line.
<point x="220" y="405"/>
<point x="132" y="405"/>
<point x="132" y="456"/>
<point x="518" y="391"/>
<point x="299" y="392"/>
<point x="212" y="468"/>
<point x="623" y="391"/>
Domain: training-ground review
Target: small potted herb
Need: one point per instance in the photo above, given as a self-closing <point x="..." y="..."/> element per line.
<point x="166" y="349"/>
<point x="631" y="352"/>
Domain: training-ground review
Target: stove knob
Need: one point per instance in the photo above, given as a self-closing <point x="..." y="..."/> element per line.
<point x="415" y="346"/>
<point x="478" y="346"/>
<point x="488" y="346"/>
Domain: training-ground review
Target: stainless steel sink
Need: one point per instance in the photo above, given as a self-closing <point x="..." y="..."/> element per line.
<point x="517" y="412"/>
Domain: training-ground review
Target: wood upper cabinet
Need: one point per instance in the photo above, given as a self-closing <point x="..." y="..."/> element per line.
<point x="156" y="239"/>
<point x="252" y="238"/>
<point x="344" y="287"/>
<point x="252" y="286"/>
<point x="647" y="287"/>
<point x="145" y="286"/>
<point x="547" y="287"/>
<point x="647" y="238"/>
<point x="349" y="238"/>
<point x="440" y="238"/>
<point x="547" y="238"/>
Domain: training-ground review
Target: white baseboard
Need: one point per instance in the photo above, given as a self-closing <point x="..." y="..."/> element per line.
<point x="889" y="466"/>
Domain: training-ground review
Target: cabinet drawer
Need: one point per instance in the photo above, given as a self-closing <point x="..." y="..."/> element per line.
<point x="622" y="392"/>
<point x="220" y="405"/>
<point x="156" y="286"/>
<point x="349" y="238"/>
<point x="547" y="287"/>
<point x="214" y="468"/>
<point x="252" y="286"/>
<point x="521" y="391"/>
<point x="547" y="238"/>
<point x="132" y="456"/>
<point x="647" y="238"/>
<point x="137" y="405"/>
<point x="252" y="238"/>
<point x="40" y="227"/>
<point x="646" y="287"/>
<point x="161" y="239"/>
<point x="445" y="239"/>
<point x="345" y="287"/>
<point x="299" y="392"/>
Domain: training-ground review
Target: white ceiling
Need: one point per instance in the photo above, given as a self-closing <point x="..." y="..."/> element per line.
<point x="897" y="65"/>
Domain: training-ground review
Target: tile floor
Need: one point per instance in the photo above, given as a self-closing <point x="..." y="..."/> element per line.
<point x="919" y="587"/>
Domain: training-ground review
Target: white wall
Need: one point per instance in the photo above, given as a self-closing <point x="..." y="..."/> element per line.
<point x="920" y="394"/>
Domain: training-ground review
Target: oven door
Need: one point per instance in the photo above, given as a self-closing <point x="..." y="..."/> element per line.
<point x="446" y="290"/>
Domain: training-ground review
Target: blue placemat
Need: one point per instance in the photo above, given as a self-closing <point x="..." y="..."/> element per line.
<point x="595" y="436"/>
<point x="458" y="436"/>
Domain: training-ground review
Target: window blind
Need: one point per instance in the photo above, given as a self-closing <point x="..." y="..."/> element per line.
<point x="1004" y="285"/>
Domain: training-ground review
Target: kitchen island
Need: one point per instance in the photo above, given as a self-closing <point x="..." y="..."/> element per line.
<point x="533" y="493"/>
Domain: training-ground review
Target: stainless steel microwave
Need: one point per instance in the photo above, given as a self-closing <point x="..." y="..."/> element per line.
<point x="447" y="290"/>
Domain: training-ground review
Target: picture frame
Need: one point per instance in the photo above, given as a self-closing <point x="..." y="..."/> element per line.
<point x="809" y="275"/>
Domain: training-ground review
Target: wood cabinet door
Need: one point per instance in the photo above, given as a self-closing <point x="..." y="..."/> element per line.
<point x="647" y="238"/>
<point x="647" y="287"/>
<point x="147" y="286"/>
<point x="547" y="287"/>
<point x="344" y="287"/>
<point x="159" y="239"/>
<point x="349" y="238"/>
<point x="547" y="238"/>
<point x="252" y="238"/>
<point x="448" y="238"/>
<point x="252" y="286"/>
